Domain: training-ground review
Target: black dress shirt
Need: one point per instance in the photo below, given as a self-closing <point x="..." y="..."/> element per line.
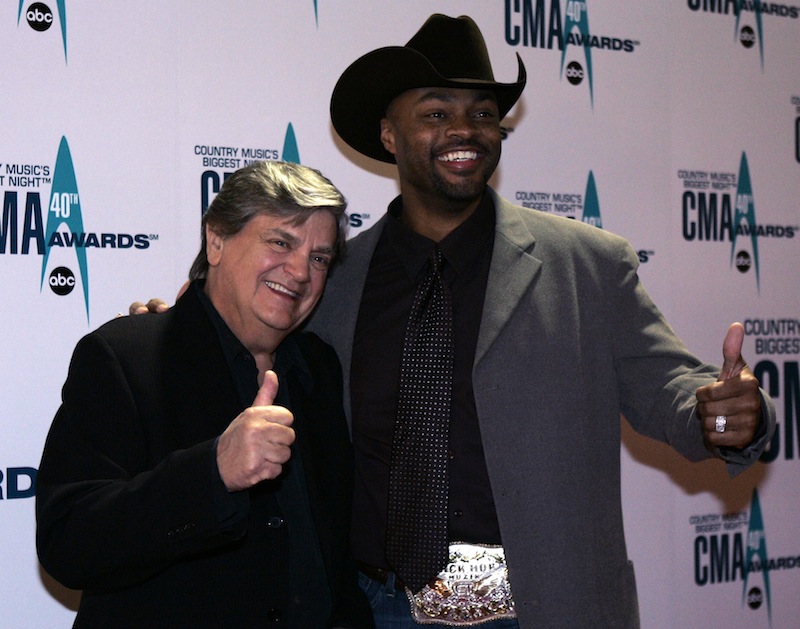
<point x="281" y="505"/>
<point x="397" y="267"/>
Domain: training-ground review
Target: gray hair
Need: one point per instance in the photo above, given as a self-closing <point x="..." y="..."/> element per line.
<point x="282" y="189"/>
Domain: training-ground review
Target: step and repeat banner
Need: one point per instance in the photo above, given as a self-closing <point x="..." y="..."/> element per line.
<point x="675" y="124"/>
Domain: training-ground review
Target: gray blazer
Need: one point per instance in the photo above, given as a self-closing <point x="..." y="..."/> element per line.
<point x="569" y="340"/>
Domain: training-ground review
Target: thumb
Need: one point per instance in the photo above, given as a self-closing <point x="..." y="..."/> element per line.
<point x="733" y="362"/>
<point x="268" y="390"/>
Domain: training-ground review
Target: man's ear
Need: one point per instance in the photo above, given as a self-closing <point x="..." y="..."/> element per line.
<point x="214" y="245"/>
<point x="387" y="135"/>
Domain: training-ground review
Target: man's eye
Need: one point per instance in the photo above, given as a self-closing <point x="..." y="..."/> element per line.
<point x="321" y="262"/>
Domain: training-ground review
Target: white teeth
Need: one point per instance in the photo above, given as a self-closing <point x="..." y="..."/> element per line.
<point x="458" y="156"/>
<point x="282" y="289"/>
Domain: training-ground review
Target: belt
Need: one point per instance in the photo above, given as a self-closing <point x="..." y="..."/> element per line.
<point x="380" y="575"/>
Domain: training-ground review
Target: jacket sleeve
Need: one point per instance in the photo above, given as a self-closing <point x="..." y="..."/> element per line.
<point x="110" y="510"/>
<point x="658" y="376"/>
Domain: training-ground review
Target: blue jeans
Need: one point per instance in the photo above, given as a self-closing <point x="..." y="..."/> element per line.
<point x="392" y="610"/>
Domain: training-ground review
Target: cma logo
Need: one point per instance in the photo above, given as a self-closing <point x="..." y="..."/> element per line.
<point x="19" y="482"/>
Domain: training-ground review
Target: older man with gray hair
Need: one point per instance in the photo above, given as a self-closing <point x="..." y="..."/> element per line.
<point x="198" y="472"/>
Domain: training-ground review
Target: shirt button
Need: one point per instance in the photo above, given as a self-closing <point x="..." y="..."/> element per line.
<point x="275" y="522"/>
<point x="458" y="513"/>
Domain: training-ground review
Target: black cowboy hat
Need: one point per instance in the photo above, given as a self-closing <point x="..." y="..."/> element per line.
<point x="445" y="52"/>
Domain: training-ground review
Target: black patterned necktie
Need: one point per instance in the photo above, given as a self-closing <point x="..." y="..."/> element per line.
<point x="417" y="544"/>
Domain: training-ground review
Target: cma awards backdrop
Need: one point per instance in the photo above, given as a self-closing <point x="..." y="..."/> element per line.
<point x="675" y="124"/>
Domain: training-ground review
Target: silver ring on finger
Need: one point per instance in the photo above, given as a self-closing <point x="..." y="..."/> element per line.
<point x="720" y="423"/>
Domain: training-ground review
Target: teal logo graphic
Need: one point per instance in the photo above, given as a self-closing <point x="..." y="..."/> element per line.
<point x="591" y="204"/>
<point x="231" y="158"/>
<point x="40" y="18"/>
<point x="732" y="548"/>
<point x="744" y="220"/>
<point x="719" y="206"/>
<point x="577" y="18"/>
<point x="746" y="36"/>
<point x="64" y="210"/>
<point x="542" y="24"/>
<point x="756" y="559"/>
<point x="292" y="154"/>
<point x="591" y="214"/>
<point x="743" y="32"/>
<point x="290" y="150"/>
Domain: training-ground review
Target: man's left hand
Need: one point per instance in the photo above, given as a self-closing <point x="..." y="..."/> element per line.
<point x="733" y="402"/>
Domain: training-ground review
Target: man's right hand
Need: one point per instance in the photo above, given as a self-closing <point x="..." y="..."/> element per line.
<point x="258" y="442"/>
<point x="154" y="305"/>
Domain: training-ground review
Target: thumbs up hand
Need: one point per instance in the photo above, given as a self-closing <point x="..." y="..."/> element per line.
<point x="732" y="361"/>
<point x="268" y="390"/>
<point x="730" y="408"/>
<point x="258" y="442"/>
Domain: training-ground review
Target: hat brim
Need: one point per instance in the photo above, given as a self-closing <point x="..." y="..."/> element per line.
<point x="370" y="83"/>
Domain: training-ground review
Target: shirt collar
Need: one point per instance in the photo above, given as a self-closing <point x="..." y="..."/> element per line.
<point x="288" y="356"/>
<point x="459" y="247"/>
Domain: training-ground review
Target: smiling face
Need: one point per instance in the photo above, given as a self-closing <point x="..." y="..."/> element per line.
<point x="446" y="142"/>
<point x="266" y="279"/>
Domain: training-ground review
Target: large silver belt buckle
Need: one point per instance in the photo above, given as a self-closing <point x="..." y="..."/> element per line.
<point x="472" y="589"/>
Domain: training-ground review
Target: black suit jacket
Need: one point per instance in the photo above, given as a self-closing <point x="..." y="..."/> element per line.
<point x="131" y="508"/>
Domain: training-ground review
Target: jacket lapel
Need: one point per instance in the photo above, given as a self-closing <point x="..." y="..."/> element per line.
<point x="202" y="371"/>
<point x="513" y="269"/>
<point x="336" y="316"/>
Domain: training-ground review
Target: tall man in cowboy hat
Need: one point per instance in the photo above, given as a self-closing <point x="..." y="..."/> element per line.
<point x="553" y="337"/>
